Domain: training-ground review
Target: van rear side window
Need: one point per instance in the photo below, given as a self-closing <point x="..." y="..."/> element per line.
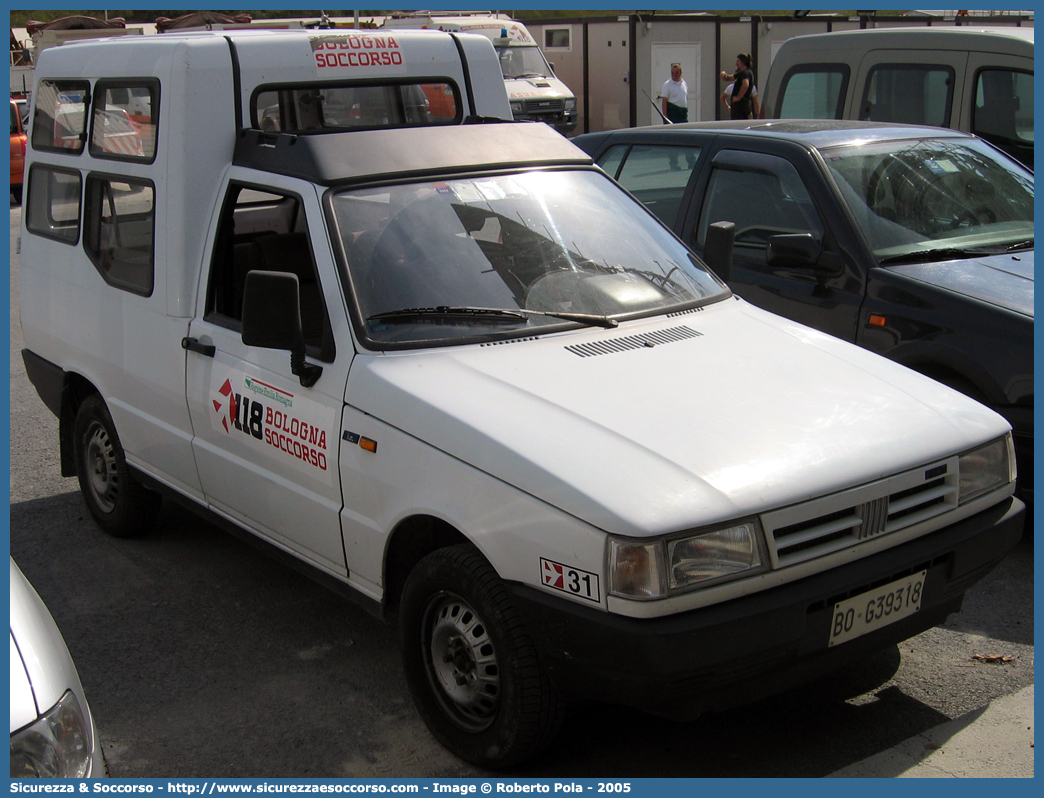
<point x="120" y="231"/>
<point x="53" y="207"/>
<point x="324" y="108"/>
<point x="60" y="123"/>
<point x="814" y="91"/>
<point x="124" y="120"/>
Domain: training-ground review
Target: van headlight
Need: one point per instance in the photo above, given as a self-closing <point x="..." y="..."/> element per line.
<point x="655" y="569"/>
<point x="58" y="745"/>
<point x="569" y="106"/>
<point x="987" y="468"/>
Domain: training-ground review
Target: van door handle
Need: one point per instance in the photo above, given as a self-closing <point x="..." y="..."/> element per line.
<point x="193" y="345"/>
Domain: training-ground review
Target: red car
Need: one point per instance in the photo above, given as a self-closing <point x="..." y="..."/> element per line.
<point x="18" y="142"/>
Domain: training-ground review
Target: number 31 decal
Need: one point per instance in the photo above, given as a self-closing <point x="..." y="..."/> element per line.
<point x="573" y="581"/>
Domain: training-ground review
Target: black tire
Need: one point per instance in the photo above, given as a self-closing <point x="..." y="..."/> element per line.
<point x="120" y="504"/>
<point x="471" y="665"/>
<point x="16" y="191"/>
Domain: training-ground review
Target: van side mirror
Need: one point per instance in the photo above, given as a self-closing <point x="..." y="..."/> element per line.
<point x="272" y="319"/>
<point x="717" y="252"/>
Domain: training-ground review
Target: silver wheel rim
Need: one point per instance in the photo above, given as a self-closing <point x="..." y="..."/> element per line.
<point x="463" y="665"/>
<point x="100" y="465"/>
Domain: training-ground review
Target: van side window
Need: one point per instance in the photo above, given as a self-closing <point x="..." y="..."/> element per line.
<point x="60" y="122"/>
<point x="53" y="207"/>
<point x="119" y="231"/>
<point x="123" y="125"/>
<point x="814" y="91"/>
<point x="912" y="94"/>
<point x="656" y="174"/>
<point x="1003" y="111"/>
<point x="325" y="108"/>
<point x="264" y="230"/>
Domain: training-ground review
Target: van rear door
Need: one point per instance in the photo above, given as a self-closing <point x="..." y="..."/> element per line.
<point x="922" y="88"/>
<point x="999" y="105"/>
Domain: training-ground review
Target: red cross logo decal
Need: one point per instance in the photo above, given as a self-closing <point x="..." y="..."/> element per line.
<point x="553" y="574"/>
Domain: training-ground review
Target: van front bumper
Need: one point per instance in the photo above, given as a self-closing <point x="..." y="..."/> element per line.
<point x="738" y="651"/>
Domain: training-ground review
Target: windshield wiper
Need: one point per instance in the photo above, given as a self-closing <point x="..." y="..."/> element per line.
<point x="947" y="253"/>
<point x="1025" y="244"/>
<point x="489" y="315"/>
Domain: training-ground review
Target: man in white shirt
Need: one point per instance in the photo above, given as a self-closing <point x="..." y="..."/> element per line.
<point x="674" y="97"/>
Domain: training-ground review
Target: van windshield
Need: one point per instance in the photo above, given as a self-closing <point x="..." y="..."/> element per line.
<point x="457" y="259"/>
<point x="523" y="62"/>
<point x="921" y="199"/>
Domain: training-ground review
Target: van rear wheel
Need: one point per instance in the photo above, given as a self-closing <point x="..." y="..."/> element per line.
<point x="471" y="665"/>
<point x="120" y="504"/>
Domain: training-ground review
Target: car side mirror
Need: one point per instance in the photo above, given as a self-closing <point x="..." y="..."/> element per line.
<point x="272" y="319"/>
<point x="717" y="252"/>
<point x="793" y="251"/>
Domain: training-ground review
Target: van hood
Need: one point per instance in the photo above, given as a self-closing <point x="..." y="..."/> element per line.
<point x="536" y="88"/>
<point x="665" y="423"/>
<point x="1002" y="280"/>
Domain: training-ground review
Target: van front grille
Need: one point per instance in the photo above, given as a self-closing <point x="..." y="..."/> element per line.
<point x="544" y="106"/>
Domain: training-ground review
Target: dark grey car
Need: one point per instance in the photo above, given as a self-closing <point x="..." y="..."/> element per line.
<point x="914" y="242"/>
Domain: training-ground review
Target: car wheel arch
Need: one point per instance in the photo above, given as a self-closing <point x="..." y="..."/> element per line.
<point x="413" y="539"/>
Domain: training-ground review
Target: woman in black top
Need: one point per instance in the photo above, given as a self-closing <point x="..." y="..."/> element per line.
<point x="743" y="83"/>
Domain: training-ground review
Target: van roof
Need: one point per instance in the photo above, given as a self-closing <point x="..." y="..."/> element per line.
<point x="978" y="38"/>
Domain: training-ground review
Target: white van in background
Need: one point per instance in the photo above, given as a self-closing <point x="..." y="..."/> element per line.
<point x="536" y="94"/>
<point x="979" y="80"/>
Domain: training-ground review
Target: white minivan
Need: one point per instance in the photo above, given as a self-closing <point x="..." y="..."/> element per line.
<point x="975" y="79"/>
<point x="460" y="375"/>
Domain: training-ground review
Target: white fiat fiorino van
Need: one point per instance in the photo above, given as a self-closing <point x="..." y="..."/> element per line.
<point x="457" y="372"/>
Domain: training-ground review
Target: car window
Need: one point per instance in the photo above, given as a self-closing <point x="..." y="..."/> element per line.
<point x="814" y="91"/>
<point x="53" y="209"/>
<point x="761" y="202"/>
<point x="612" y="159"/>
<point x="912" y="94"/>
<point x="329" y="108"/>
<point x="260" y="230"/>
<point x="119" y="231"/>
<point x="60" y="122"/>
<point x="656" y="174"/>
<point x="125" y="120"/>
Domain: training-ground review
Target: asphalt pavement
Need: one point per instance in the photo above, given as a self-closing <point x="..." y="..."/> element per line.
<point x="993" y="742"/>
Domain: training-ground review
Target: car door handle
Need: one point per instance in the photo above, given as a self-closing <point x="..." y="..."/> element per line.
<point x="193" y="345"/>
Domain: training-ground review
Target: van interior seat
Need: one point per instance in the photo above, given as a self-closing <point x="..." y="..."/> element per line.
<point x="291" y="252"/>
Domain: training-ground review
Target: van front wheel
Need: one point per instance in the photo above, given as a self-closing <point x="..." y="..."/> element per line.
<point x="470" y="664"/>
<point x="120" y="504"/>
